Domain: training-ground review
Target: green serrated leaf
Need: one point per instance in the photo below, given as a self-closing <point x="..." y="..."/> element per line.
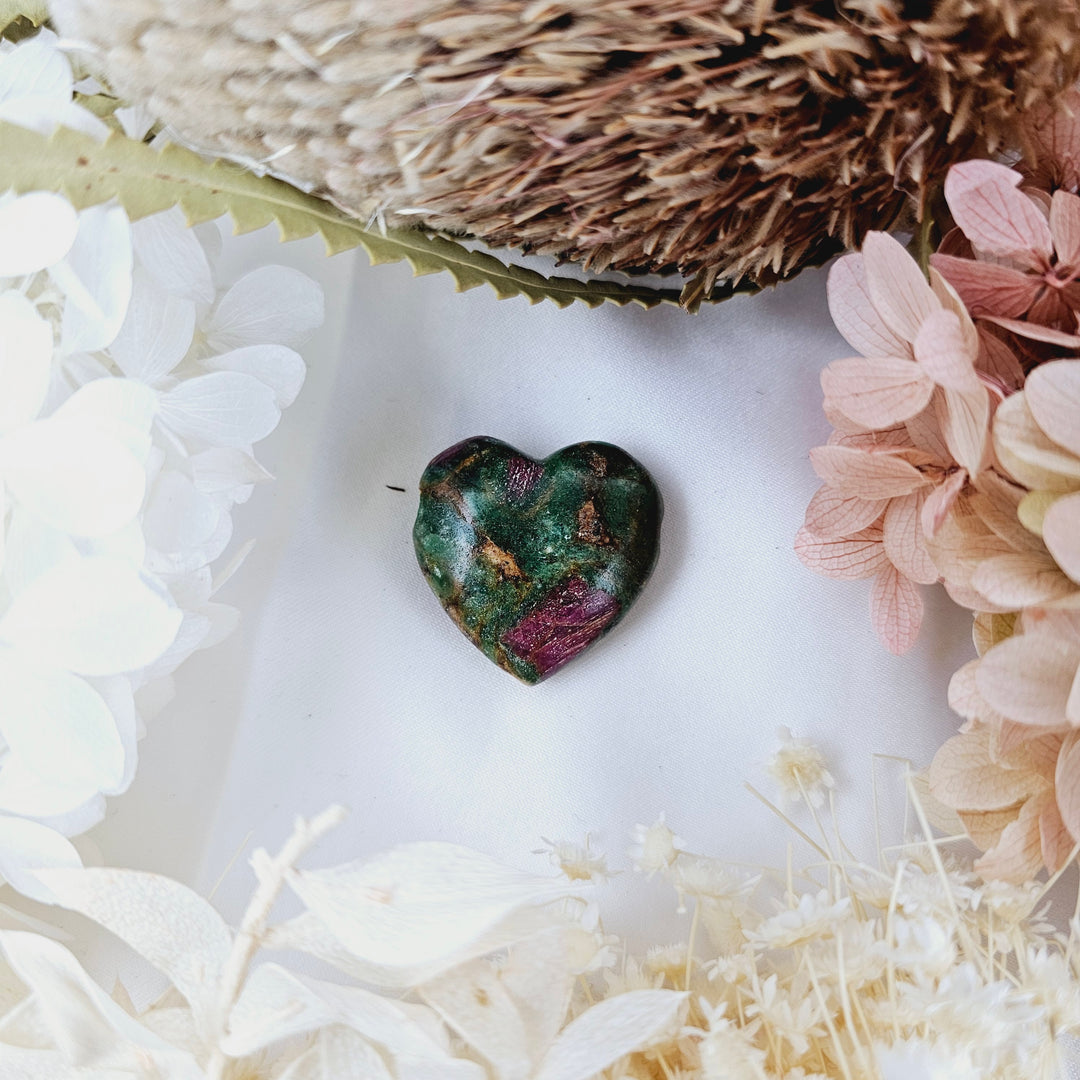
<point x="146" y="180"/>
<point x="33" y="11"/>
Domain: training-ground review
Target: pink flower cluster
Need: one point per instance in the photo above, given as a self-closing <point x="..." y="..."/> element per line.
<point x="956" y="459"/>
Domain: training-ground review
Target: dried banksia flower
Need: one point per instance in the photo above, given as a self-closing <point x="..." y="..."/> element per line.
<point x="723" y="139"/>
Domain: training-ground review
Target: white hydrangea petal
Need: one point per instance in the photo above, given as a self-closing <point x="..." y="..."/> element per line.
<point x="127" y="543"/>
<point x="95" y="277"/>
<point x="171" y="254"/>
<point x="75" y="822"/>
<point x="280" y="367"/>
<point x="168" y="924"/>
<point x="59" y="726"/>
<point x="192" y="632"/>
<point x="122" y="408"/>
<point x="45" y="114"/>
<point x="33" y="547"/>
<point x="273" y="304"/>
<point x="421" y="908"/>
<point x="183" y="562"/>
<point x="93" y="616"/>
<point x="36" y="230"/>
<point x="224" y="619"/>
<point x="28" y="845"/>
<point x="177" y="515"/>
<point x="83" y="1021"/>
<point x="25" y="794"/>
<point x="222" y="470"/>
<point x="224" y="408"/>
<point x="117" y="694"/>
<point x="156" y="333"/>
<point x="35" y="68"/>
<point x="80" y="480"/>
<point x="612" y="1029"/>
<point x="26" y="349"/>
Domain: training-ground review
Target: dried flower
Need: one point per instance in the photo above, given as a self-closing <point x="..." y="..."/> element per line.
<point x="740" y="142"/>
<point x="655" y="847"/>
<point x="798" y="768"/>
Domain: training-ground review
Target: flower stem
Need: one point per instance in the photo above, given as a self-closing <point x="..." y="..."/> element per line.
<point x="271" y="873"/>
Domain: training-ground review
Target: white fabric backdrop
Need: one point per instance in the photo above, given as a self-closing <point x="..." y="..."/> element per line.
<point x="348" y="683"/>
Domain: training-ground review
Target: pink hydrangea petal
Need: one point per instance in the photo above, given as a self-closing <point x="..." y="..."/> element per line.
<point x="900" y="293"/>
<point x="943" y="353"/>
<point x="1028" y="678"/>
<point x="988" y="288"/>
<point x="1053" y="395"/>
<point x="905" y="543"/>
<point x="1065" y="227"/>
<point x="965" y="423"/>
<point x="1017" y="856"/>
<point x="848" y="558"/>
<point x="940" y="501"/>
<point x="832" y="514"/>
<point x="1034" y="332"/>
<point x="896" y="610"/>
<point x="994" y="215"/>
<point x="998" y="361"/>
<point x="877" y="392"/>
<point x="865" y="474"/>
<point x="854" y="314"/>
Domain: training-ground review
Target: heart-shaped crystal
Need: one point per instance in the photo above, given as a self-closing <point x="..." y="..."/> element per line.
<point x="535" y="560"/>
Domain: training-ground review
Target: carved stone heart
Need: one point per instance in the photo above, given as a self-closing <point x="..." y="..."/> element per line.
<point x="535" y="560"/>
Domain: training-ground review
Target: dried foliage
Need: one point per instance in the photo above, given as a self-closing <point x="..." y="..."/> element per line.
<point x="474" y="970"/>
<point x="722" y="140"/>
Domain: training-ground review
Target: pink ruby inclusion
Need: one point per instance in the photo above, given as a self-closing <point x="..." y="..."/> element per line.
<point x="571" y="616"/>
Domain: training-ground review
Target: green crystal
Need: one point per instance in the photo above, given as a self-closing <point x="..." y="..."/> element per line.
<point x="535" y="560"/>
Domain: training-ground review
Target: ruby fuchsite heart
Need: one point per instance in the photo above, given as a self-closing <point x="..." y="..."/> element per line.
<point x="535" y="560"/>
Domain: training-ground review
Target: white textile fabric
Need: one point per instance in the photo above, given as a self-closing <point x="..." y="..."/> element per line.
<point x="348" y="683"/>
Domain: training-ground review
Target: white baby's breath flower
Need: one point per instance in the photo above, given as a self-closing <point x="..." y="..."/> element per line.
<point x="655" y="848"/>
<point x="668" y="961"/>
<point x="576" y="861"/>
<point x="814" y="916"/>
<point x="925" y="1059"/>
<point x="798" y="768"/>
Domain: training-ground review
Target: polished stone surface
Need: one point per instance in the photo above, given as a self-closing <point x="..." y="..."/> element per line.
<point x="535" y="560"/>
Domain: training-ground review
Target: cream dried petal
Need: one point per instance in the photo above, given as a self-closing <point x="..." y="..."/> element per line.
<point x="1053" y="395"/>
<point x="1028" y="678"/>
<point x="1021" y="579"/>
<point x="964" y="776"/>
<point x="1061" y="534"/>
<point x="1017" y="857"/>
<point x="1067" y="786"/>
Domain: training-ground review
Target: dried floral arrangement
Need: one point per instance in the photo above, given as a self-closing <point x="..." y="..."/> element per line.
<point x="135" y="385"/>
<point x="734" y="141"/>
<point x="956" y="458"/>
<point x="459" y="966"/>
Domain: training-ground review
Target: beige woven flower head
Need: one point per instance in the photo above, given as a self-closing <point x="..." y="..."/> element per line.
<point x="730" y="138"/>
